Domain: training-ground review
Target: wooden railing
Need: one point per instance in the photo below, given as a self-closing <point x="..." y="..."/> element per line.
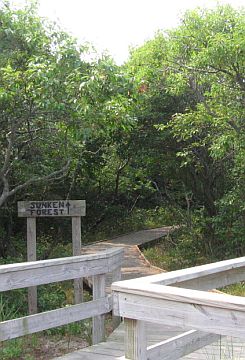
<point x="21" y="275"/>
<point x="177" y="299"/>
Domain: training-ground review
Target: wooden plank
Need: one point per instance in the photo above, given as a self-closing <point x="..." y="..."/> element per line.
<point x="134" y="264"/>
<point x="180" y="345"/>
<point x="214" y="281"/>
<point x="116" y="276"/>
<point x="108" y="349"/>
<point x="110" y="254"/>
<point x="105" y="348"/>
<point x="51" y="208"/>
<point x="31" y="239"/>
<point x="207" y="276"/>
<point x="76" y="247"/>
<point x="135" y="339"/>
<point x="31" y="324"/>
<point x="142" y="236"/>
<point x="82" y="355"/>
<point x="225" y="319"/>
<point x="31" y="256"/>
<point x="98" y="321"/>
<point x="15" y="276"/>
<point x="218" y="300"/>
<point x="76" y="235"/>
<point x="108" y="344"/>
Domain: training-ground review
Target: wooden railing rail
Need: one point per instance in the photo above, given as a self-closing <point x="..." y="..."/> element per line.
<point x="203" y="277"/>
<point x="203" y="315"/>
<point x="21" y="275"/>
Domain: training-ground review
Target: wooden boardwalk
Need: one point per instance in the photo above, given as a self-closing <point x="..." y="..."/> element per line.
<point x="135" y="265"/>
<point x="113" y="348"/>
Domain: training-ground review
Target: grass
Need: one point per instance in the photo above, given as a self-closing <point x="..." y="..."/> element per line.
<point x="170" y="254"/>
<point x="40" y="347"/>
<point x="176" y="251"/>
<point x="226" y="349"/>
<point x="51" y="342"/>
<point x="235" y="289"/>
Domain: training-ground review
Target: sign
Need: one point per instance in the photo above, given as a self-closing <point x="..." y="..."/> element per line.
<point x="51" y="208"/>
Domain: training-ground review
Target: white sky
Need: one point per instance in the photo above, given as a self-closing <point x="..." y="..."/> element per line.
<point x="114" y="25"/>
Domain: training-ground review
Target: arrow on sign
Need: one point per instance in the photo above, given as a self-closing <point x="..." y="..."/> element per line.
<point x="68" y="207"/>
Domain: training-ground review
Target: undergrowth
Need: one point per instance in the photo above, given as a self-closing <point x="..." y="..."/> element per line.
<point x="13" y="304"/>
<point x="177" y="250"/>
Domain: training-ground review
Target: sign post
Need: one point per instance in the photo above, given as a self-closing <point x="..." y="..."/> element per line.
<point x="31" y="256"/>
<point x="55" y="208"/>
<point x="76" y="249"/>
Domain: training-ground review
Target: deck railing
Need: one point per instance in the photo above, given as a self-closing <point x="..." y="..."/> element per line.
<point x="21" y="275"/>
<point x="179" y="298"/>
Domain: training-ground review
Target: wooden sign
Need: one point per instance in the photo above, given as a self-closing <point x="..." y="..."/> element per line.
<point x="51" y="208"/>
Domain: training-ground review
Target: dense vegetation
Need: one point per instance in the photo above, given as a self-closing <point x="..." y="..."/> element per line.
<point x="159" y="140"/>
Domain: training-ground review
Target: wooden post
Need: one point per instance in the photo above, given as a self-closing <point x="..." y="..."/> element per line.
<point x="135" y="340"/>
<point x="98" y="321"/>
<point x="76" y="247"/>
<point x="31" y="256"/>
<point x="116" y="276"/>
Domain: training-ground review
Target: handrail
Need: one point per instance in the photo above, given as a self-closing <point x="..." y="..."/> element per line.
<point x="204" y="277"/>
<point x="21" y="275"/>
<point x="208" y="314"/>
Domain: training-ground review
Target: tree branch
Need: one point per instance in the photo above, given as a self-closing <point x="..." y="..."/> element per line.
<point x="54" y="175"/>
<point x="5" y="191"/>
<point x="10" y="137"/>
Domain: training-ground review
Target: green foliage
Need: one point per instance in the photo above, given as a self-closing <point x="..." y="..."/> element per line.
<point x="200" y="64"/>
<point x="235" y="289"/>
<point x="57" y="107"/>
<point x="159" y="141"/>
<point x="52" y="101"/>
<point x="13" y="349"/>
<point x="13" y="304"/>
<point x="138" y="219"/>
<point x="183" y="248"/>
<point x="7" y="311"/>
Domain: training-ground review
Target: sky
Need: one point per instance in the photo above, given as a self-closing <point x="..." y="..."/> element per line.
<point x="116" y="25"/>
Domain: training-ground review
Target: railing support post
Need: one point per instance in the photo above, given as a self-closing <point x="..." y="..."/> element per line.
<point x="135" y="340"/>
<point x="98" y="321"/>
<point x="116" y="276"/>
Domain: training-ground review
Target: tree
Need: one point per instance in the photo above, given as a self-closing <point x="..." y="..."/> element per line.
<point x="154" y="105"/>
<point x="206" y="60"/>
<point x="192" y="89"/>
<point x="60" y="114"/>
<point x="41" y="71"/>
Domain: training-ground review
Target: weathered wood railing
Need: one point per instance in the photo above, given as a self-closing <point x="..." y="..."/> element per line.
<point x="21" y="275"/>
<point x="175" y="299"/>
